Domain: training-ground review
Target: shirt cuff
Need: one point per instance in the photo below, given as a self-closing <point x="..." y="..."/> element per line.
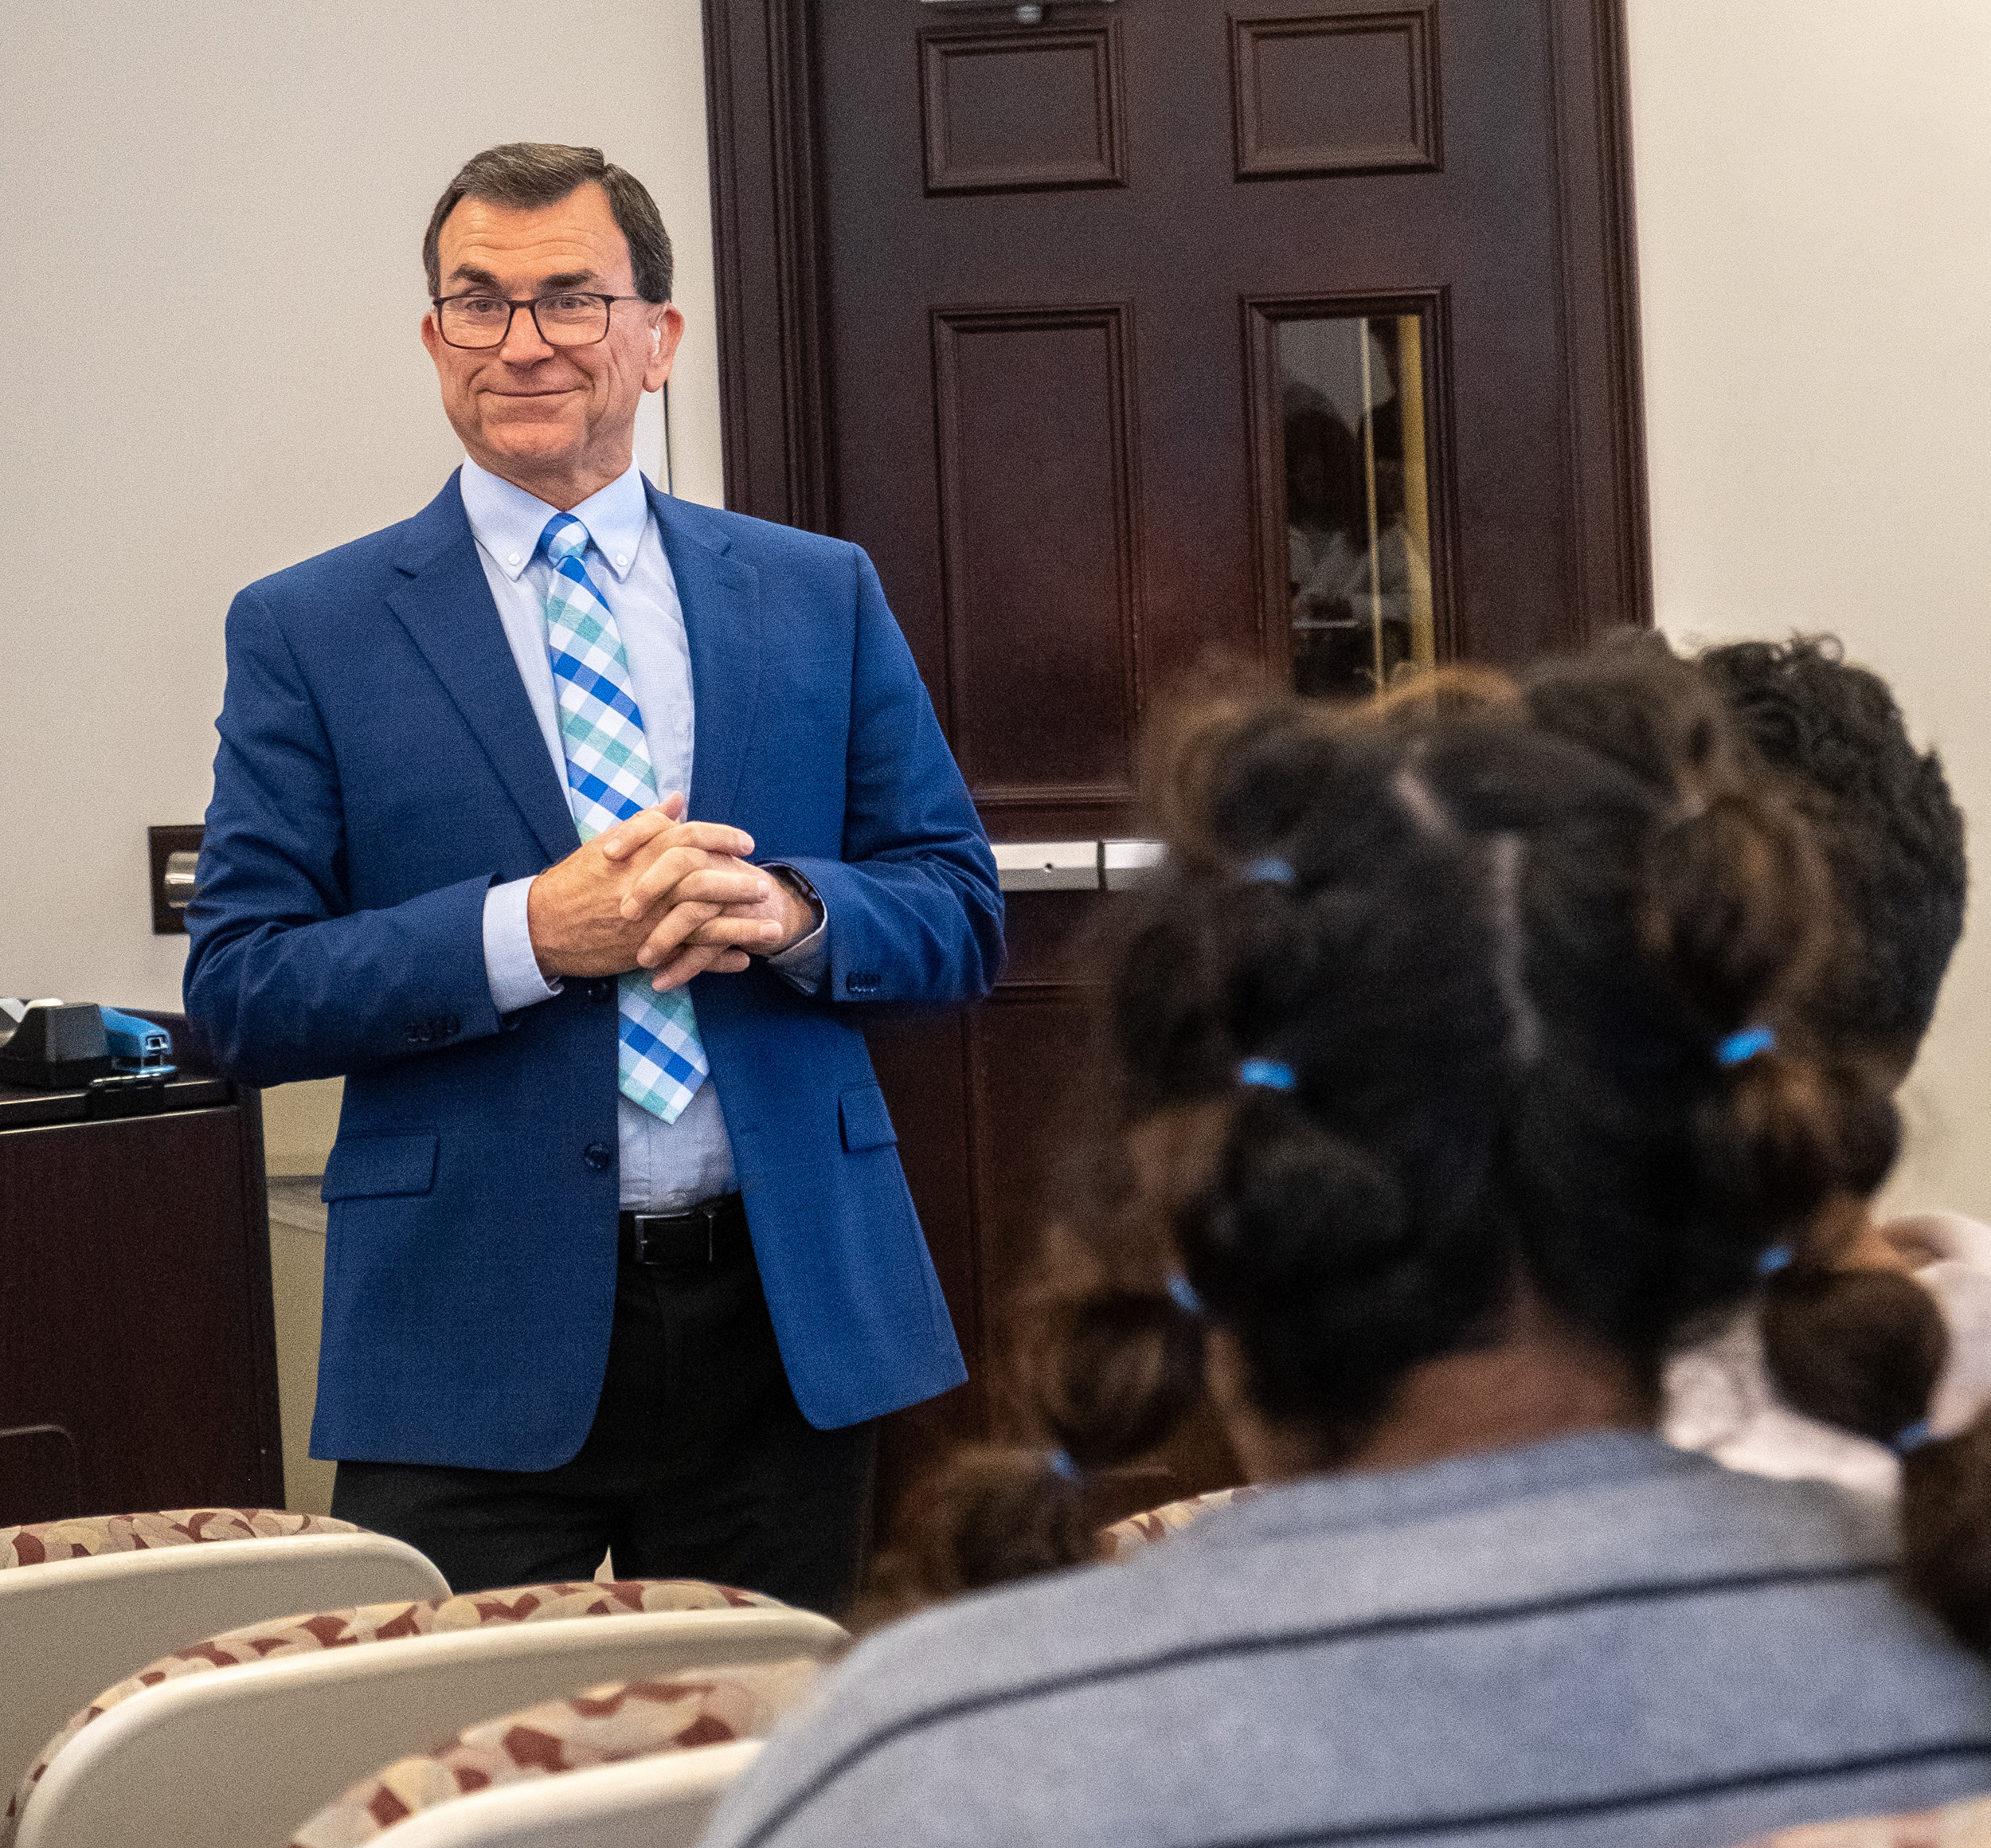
<point x="806" y="962"/>
<point x="509" y="964"/>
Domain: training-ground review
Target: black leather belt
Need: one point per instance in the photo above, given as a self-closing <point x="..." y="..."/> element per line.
<point x="713" y="1232"/>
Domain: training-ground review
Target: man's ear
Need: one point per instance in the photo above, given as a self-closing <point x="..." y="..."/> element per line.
<point x="666" y="328"/>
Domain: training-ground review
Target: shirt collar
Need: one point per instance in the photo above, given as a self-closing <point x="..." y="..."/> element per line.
<point x="507" y="521"/>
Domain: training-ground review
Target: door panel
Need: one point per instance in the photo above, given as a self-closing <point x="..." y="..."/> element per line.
<point x="1342" y="91"/>
<point x="1295" y="333"/>
<point x="1039" y="570"/>
<point x="1019" y="111"/>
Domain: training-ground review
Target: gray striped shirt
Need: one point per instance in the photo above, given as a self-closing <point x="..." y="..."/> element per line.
<point x="1597" y="1639"/>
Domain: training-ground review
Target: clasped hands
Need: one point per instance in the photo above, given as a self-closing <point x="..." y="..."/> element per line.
<point x="661" y="893"/>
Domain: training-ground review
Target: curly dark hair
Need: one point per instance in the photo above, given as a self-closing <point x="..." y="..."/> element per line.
<point x="1864" y="1350"/>
<point x="1861" y="1350"/>
<point x="1892" y="834"/>
<point x="1498" y="963"/>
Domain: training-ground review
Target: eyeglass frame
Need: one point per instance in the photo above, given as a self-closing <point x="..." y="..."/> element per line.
<point x="530" y="304"/>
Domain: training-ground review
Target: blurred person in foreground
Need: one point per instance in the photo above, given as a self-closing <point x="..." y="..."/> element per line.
<point x="1459" y="1075"/>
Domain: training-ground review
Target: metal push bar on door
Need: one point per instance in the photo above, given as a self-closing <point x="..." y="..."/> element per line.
<point x="1074" y="866"/>
<point x="1029" y="13"/>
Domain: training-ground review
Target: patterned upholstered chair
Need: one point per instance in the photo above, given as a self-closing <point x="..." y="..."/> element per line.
<point x="1139" y="1530"/>
<point x="1965" y="1825"/>
<point x="282" y="1716"/>
<point x="83" y="1602"/>
<point x="615" y="1724"/>
<point x="664" y="1801"/>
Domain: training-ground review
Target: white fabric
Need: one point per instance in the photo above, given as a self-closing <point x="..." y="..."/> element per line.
<point x="1719" y="1398"/>
<point x="1960" y="1280"/>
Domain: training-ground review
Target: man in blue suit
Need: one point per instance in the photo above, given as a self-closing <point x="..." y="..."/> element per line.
<point x="620" y="1252"/>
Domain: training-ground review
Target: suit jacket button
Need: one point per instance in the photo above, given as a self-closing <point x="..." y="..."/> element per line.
<point x="600" y="991"/>
<point x="597" y="1155"/>
<point x="452" y="1024"/>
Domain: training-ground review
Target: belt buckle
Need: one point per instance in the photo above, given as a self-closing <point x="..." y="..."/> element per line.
<point x="642" y="1222"/>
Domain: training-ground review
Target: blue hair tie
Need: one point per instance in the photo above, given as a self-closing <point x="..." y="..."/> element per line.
<point x="1910" y="1437"/>
<point x="1742" y="1045"/>
<point x="1267" y="1074"/>
<point x="1183" y="1293"/>
<point x="1063" y="1468"/>
<point x="1772" y="1260"/>
<point x="1271" y="871"/>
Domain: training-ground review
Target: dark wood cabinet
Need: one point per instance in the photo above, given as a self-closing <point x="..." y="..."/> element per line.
<point x="138" y="1364"/>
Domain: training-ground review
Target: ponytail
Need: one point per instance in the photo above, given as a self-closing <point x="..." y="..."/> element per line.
<point x="994" y="1513"/>
<point x="1945" y="1515"/>
<point x="1864" y="1351"/>
<point x="1109" y="1374"/>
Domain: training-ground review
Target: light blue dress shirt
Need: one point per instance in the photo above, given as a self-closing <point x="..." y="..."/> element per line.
<point x="666" y="1167"/>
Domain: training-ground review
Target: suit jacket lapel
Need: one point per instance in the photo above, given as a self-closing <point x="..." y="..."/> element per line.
<point x="444" y="603"/>
<point x="722" y="619"/>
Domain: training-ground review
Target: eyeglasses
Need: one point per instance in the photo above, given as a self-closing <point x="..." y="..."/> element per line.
<point x="563" y="320"/>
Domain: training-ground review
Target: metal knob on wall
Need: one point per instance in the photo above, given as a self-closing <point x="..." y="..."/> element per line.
<point x="175" y="857"/>
<point x="181" y="871"/>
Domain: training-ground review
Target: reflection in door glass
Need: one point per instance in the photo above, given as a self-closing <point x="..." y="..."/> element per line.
<point x="1358" y="508"/>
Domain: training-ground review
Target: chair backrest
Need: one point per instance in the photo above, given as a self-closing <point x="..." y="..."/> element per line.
<point x="694" y="1708"/>
<point x="242" y="1754"/>
<point x="1959" y="1825"/>
<point x="648" y="1803"/>
<point x="89" y="1536"/>
<point x="71" y="1627"/>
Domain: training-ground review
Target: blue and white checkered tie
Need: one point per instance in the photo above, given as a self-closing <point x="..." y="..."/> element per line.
<point x="609" y="778"/>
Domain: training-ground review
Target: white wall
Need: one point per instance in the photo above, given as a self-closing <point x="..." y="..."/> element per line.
<point x="211" y="218"/>
<point x="1813" y="182"/>
<point x="211" y="215"/>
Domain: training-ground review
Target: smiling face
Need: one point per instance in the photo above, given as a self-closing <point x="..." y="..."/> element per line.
<point x="557" y="421"/>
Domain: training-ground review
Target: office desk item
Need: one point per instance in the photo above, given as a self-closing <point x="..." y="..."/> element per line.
<point x="137" y="1348"/>
<point x="53" y="1046"/>
<point x="138" y="1045"/>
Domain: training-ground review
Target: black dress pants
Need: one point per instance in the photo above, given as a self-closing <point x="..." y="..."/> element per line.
<point x="698" y="1465"/>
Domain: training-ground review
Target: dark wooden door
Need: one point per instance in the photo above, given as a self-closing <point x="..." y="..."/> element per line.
<point x="1141" y="336"/>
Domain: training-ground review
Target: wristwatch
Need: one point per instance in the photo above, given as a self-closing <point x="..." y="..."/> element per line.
<point x="803" y="891"/>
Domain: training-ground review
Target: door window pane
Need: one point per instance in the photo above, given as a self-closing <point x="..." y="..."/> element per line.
<point x="1357" y="500"/>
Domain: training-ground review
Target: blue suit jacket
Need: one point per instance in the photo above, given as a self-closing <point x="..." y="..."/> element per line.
<point x="379" y="769"/>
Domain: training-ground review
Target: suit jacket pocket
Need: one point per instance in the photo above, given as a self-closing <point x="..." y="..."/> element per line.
<point x="371" y="1167"/>
<point x="866" y="1122"/>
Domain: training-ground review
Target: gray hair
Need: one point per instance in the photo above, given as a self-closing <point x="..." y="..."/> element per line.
<point x="526" y="174"/>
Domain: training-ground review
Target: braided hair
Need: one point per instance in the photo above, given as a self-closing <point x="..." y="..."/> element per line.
<point x="1493" y="965"/>
<point x="1858" y="1349"/>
